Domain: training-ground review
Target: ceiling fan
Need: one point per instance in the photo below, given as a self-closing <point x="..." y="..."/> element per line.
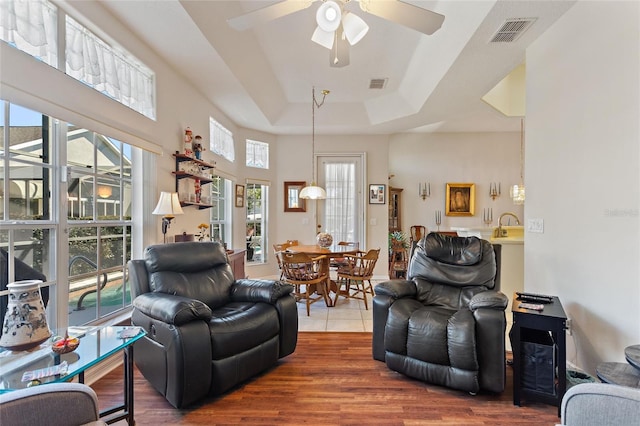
<point x="338" y="28"/>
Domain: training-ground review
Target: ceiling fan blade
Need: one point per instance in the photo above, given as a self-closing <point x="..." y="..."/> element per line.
<point x="417" y="18"/>
<point x="339" y="56"/>
<point x="267" y="13"/>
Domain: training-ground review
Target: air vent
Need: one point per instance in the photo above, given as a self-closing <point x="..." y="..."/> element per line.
<point x="378" y="83"/>
<point x="512" y="29"/>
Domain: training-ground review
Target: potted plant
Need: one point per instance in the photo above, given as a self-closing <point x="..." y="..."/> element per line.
<point x="398" y="240"/>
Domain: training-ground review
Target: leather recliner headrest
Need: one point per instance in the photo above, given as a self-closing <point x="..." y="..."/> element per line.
<point x="452" y="250"/>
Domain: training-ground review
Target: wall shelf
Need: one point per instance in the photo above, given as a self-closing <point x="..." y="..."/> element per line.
<point x="181" y="174"/>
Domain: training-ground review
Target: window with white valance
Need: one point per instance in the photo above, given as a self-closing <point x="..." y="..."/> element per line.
<point x="221" y="140"/>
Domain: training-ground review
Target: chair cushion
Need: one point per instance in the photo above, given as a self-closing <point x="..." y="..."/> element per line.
<point x="237" y="327"/>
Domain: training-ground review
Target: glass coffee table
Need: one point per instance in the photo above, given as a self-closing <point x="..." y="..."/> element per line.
<point x="97" y="343"/>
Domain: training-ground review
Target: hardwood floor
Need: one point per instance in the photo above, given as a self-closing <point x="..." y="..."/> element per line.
<point x="331" y="379"/>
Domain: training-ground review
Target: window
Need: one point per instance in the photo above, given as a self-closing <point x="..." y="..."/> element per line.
<point x="257" y="196"/>
<point x="221" y="210"/>
<point x="257" y="154"/>
<point x="96" y="211"/>
<point x="221" y="140"/>
<point x="32" y="27"/>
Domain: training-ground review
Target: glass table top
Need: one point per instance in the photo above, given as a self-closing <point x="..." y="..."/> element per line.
<point x="96" y="344"/>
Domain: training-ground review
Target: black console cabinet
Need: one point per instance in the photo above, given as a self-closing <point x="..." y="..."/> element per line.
<point x="528" y="327"/>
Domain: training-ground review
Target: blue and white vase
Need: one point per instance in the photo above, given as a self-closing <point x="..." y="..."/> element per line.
<point x="25" y="323"/>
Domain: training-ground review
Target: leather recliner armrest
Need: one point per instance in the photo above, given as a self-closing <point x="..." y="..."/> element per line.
<point x="170" y="309"/>
<point x="489" y="300"/>
<point x="396" y="289"/>
<point x="266" y="291"/>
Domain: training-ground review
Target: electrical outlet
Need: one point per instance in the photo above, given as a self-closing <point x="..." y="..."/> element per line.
<point x="535" y="225"/>
<point x="569" y="327"/>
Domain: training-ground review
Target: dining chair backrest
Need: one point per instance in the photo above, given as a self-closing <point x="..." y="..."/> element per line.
<point x="300" y="266"/>
<point x="361" y="264"/>
<point x="417" y="232"/>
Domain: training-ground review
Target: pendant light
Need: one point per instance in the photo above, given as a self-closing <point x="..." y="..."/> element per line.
<point x="517" y="191"/>
<point x="314" y="192"/>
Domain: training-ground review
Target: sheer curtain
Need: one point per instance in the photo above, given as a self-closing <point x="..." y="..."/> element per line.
<point x="31" y="26"/>
<point x="340" y="205"/>
<point x="107" y="70"/>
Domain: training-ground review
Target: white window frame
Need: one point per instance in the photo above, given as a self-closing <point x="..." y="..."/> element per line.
<point x="257" y="154"/>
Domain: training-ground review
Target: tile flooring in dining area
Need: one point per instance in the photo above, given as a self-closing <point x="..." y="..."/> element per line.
<point x="348" y="315"/>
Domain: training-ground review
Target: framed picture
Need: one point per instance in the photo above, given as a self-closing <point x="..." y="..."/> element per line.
<point x="377" y="193"/>
<point x="292" y="200"/>
<point x="239" y="195"/>
<point x="460" y="199"/>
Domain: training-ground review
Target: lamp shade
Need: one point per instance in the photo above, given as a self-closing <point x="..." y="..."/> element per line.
<point x="313" y="192"/>
<point x="323" y="38"/>
<point x="354" y="27"/>
<point x="168" y="205"/>
<point x="329" y="15"/>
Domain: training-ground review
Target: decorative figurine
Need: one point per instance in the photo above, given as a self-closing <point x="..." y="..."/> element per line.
<point x="188" y="148"/>
<point x="198" y="190"/>
<point x="198" y="147"/>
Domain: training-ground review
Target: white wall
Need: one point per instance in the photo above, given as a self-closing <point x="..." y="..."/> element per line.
<point x="582" y="175"/>
<point x="441" y="158"/>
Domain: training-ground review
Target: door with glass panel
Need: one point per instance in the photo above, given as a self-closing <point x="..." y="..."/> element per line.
<point x="342" y="213"/>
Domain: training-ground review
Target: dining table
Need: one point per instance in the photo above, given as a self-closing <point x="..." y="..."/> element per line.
<point x="333" y="251"/>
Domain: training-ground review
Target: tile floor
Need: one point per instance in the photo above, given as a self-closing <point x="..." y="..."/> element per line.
<point x="348" y="315"/>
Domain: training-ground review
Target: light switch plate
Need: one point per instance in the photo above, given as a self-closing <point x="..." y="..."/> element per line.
<point x="535" y="225"/>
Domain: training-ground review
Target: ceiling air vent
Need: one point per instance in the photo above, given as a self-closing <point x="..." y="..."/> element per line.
<point x="511" y="30"/>
<point x="378" y="83"/>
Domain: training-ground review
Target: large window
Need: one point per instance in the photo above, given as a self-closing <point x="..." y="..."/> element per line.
<point x="257" y="196"/>
<point x="65" y="198"/>
<point x="31" y="26"/>
<point x="221" y="200"/>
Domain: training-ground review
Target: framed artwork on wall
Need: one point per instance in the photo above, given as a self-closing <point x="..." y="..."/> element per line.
<point x="460" y="199"/>
<point x="239" y="195"/>
<point x="377" y="193"/>
<point x="292" y="200"/>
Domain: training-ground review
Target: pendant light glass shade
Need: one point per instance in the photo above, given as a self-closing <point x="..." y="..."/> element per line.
<point x="354" y="28"/>
<point x="329" y="15"/>
<point x="313" y="192"/>
<point x="517" y="194"/>
<point x="323" y="38"/>
<point x="517" y="191"/>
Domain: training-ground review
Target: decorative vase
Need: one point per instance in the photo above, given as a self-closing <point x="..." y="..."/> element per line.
<point x="25" y="323"/>
<point x="324" y="239"/>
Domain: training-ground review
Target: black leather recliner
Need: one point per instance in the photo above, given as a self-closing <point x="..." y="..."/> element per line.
<point x="445" y="324"/>
<point x="206" y="332"/>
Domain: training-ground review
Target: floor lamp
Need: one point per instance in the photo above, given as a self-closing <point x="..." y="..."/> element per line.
<point x="168" y="206"/>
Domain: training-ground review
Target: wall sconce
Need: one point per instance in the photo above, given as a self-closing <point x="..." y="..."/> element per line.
<point x="494" y="190"/>
<point x="424" y="190"/>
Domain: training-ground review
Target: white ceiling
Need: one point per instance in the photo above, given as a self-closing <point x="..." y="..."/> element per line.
<point x="262" y="78"/>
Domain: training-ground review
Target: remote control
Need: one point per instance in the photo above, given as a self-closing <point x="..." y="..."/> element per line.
<point x="532" y="297"/>
<point x="534" y="306"/>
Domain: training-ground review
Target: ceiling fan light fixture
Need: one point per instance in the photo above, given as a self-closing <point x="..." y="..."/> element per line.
<point x="329" y="15"/>
<point x="354" y="28"/>
<point x="323" y="38"/>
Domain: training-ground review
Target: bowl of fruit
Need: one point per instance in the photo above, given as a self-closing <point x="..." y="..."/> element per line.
<point x="65" y="344"/>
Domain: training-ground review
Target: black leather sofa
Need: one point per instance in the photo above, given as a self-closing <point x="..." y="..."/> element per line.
<point x="206" y="331"/>
<point x="446" y="323"/>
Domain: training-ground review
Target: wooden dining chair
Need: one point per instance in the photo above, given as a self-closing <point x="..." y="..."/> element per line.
<point x="302" y="270"/>
<point x="282" y="247"/>
<point x="337" y="262"/>
<point x="356" y="276"/>
<point x="417" y="232"/>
